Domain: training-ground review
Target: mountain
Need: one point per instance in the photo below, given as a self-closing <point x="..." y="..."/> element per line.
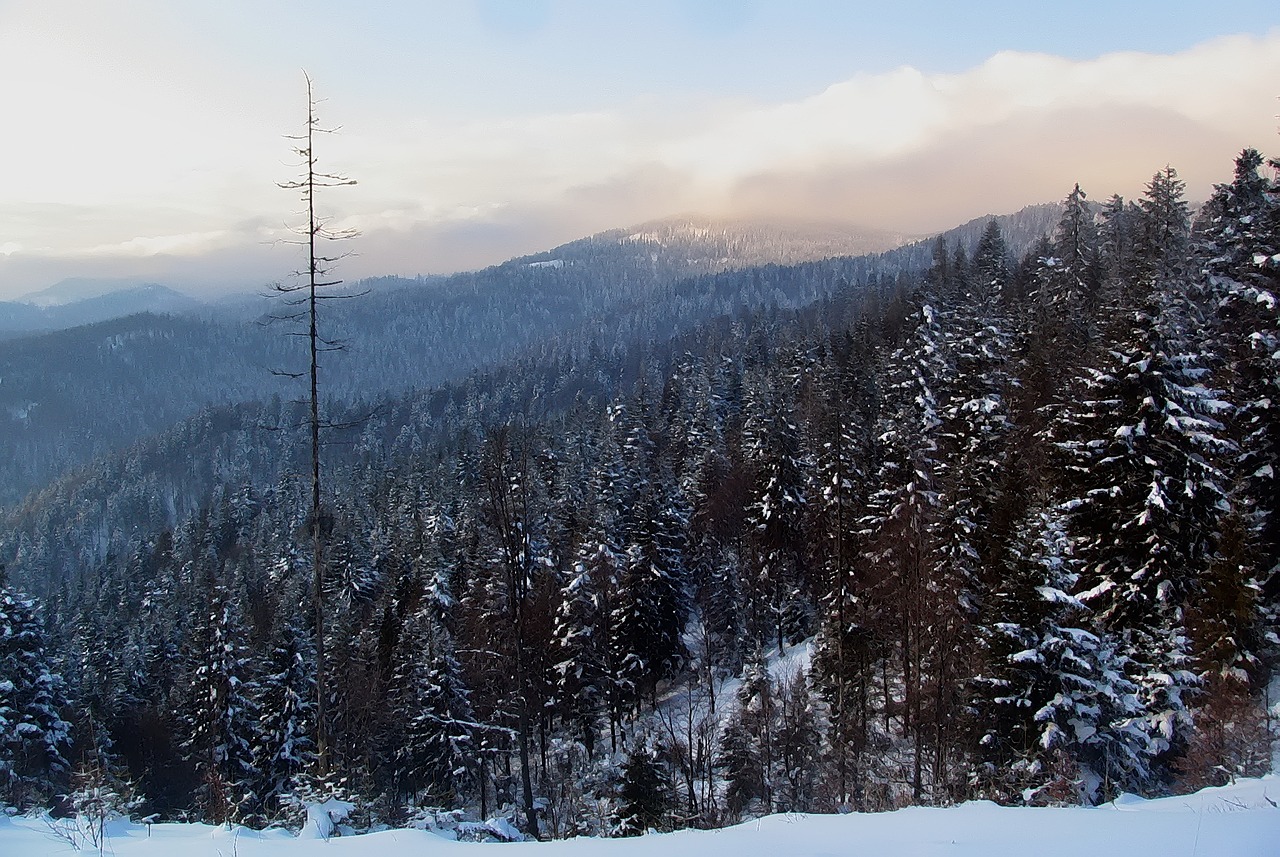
<point x="686" y="246"/>
<point x="1021" y="229"/>
<point x="70" y="396"/>
<point x="75" y="302"/>
<point x="18" y="318"/>
<point x="75" y="289"/>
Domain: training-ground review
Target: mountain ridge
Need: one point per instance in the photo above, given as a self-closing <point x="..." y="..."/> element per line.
<point x="21" y="317"/>
<point x="69" y="396"/>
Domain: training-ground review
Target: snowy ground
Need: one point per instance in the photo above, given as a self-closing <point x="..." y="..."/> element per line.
<point x="1235" y="821"/>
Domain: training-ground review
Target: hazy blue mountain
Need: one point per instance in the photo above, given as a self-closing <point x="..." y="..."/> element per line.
<point x="76" y="302"/>
<point x="74" y="289"/>
<point x="17" y="318"/>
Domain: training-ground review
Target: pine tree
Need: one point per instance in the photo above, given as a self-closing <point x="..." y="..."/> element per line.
<point x="1117" y="242"/>
<point x="644" y="795"/>
<point x="303" y="300"/>
<point x="582" y="642"/>
<point x="797" y="740"/>
<point x="222" y="716"/>
<point x="843" y="655"/>
<point x="652" y="605"/>
<point x="990" y="264"/>
<point x="781" y="602"/>
<point x="974" y="444"/>
<point x="716" y="567"/>
<point x="1239" y="241"/>
<point x="747" y="745"/>
<point x="34" y="739"/>
<point x="286" y="746"/>
<point x="1163" y="229"/>
<point x="1059" y="713"/>
<point x="439" y="755"/>
<point x="511" y="513"/>
<point x="1142" y="435"/>
<point x="904" y="512"/>
<point x="1076" y="277"/>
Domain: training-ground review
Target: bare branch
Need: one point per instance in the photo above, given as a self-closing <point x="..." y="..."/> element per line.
<point x="305" y="297"/>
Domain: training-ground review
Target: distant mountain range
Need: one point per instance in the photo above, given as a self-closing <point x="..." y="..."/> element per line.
<point x="656" y="251"/>
<point x="97" y="372"/>
<point x="72" y="303"/>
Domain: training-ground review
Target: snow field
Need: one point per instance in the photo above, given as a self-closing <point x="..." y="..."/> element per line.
<point x="1240" y="820"/>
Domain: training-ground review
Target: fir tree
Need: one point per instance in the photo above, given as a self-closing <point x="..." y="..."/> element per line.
<point x="746" y="748"/>
<point x="1142" y="437"/>
<point x="644" y="795"/>
<point x="222" y="717"/>
<point x="34" y="739"/>
<point x="1061" y="718"/>
<point x="286" y="746"/>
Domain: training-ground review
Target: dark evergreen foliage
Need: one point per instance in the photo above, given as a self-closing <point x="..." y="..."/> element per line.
<point x="644" y="795"/>
<point x="35" y="740"/>
<point x="1015" y="496"/>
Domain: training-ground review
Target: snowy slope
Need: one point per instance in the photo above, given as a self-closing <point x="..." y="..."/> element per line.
<point x="1234" y="821"/>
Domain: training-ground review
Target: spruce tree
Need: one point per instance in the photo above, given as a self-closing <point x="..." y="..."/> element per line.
<point x="34" y="739"/>
<point x="221" y="715"/>
<point x="1143" y="437"/>
<point x="644" y="795"/>
<point x="1061" y="720"/>
<point x="285" y="743"/>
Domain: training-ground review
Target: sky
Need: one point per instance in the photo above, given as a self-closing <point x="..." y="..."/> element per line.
<point x="146" y="139"/>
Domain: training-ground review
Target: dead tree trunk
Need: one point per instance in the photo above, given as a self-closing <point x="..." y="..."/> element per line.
<point x="304" y="298"/>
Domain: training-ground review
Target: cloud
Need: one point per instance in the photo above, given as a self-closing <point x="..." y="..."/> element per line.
<point x="189" y="194"/>
<point x="902" y="148"/>
<point x="187" y="244"/>
<point x="466" y="239"/>
<point x="1028" y="157"/>
<point x="1044" y="116"/>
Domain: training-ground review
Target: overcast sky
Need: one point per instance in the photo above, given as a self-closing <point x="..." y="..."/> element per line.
<point x="145" y="138"/>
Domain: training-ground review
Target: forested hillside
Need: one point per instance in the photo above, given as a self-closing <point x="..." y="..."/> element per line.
<point x="1015" y="508"/>
<point x="74" y="395"/>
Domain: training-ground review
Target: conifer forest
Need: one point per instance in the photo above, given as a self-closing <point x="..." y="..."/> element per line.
<point x="653" y="546"/>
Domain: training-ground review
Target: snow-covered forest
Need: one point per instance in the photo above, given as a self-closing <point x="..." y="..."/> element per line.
<point x="1002" y="525"/>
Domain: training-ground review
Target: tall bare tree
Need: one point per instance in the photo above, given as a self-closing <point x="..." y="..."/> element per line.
<point x="305" y="293"/>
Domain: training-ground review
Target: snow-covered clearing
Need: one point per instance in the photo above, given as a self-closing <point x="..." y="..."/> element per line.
<point x="1241" y="820"/>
